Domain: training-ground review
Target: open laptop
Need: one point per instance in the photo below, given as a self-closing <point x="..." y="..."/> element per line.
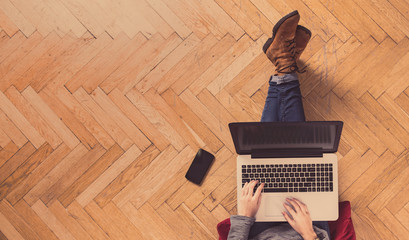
<point x="293" y="159"/>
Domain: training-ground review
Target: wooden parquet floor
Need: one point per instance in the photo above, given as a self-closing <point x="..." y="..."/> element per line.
<point x="104" y="103"/>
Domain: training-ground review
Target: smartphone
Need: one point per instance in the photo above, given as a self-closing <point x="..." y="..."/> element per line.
<point x="199" y="167"/>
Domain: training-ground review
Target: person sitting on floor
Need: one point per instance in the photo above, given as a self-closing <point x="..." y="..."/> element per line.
<point x="283" y="103"/>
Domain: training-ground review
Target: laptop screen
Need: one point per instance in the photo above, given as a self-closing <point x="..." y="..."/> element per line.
<point x="248" y="136"/>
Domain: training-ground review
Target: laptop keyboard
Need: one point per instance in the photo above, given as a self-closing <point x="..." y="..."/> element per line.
<point x="290" y="177"/>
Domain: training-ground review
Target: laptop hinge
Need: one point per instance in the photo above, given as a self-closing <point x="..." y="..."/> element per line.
<point x="286" y="153"/>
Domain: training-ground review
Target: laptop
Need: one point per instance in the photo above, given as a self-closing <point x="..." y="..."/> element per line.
<point x="293" y="159"/>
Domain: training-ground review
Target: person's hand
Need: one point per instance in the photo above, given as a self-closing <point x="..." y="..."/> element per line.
<point x="299" y="218"/>
<point x="249" y="203"/>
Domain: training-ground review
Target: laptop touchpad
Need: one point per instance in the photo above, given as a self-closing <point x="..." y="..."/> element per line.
<point x="274" y="206"/>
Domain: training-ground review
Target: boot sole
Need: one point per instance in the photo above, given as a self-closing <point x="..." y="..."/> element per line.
<point x="278" y="24"/>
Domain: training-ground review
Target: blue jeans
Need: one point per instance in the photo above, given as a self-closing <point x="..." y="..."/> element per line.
<point x="283" y="104"/>
<point x="284" y="100"/>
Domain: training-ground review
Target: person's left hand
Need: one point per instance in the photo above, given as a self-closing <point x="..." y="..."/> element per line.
<point x="249" y="203"/>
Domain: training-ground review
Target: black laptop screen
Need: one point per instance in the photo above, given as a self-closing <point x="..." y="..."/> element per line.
<point x="248" y="136"/>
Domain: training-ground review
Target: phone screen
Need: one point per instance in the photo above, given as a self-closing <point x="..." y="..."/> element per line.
<point x="199" y="167"/>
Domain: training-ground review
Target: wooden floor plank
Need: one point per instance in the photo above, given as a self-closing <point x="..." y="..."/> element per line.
<point x="53" y="74"/>
<point x="17" y="19"/>
<point x="375" y="222"/>
<point x="29" y="60"/>
<point x="8" y="230"/>
<point x="207" y="219"/>
<point x="54" y="175"/>
<point x="179" y="223"/>
<point x="241" y="18"/>
<point x="154" y="77"/>
<point x="85" y="18"/>
<point x="352" y="166"/>
<point x="86" y="222"/>
<point x="377" y="177"/>
<point x="403" y="216"/>
<point x="147" y="218"/>
<point x="171" y="116"/>
<point x="14" y="162"/>
<point x="363" y="69"/>
<point x="25" y="48"/>
<point x="72" y="175"/>
<point x="133" y="170"/>
<point x="139" y="119"/>
<point x="131" y="72"/>
<point x="76" y="62"/>
<point x="386" y="16"/>
<point x="25" y="169"/>
<point x="108" y="176"/>
<point x="123" y="122"/>
<point x="90" y="175"/>
<point x="195" y="222"/>
<point x="11" y="45"/>
<point x="249" y="74"/>
<point x="69" y="119"/>
<point x="47" y="62"/>
<point x="33" y="220"/>
<point x="99" y="68"/>
<point x="373" y="124"/>
<point x="214" y="199"/>
<point x="51" y="118"/>
<point x="207" y="136"/>
<point x="395" y="110"/>
<point x="7" y="152"/>
<point x="354" y="59"/>
<point x="203" y="112"/>
<point x="220" y="65"/>
<point x="85" y="118"/>
<point x="396" y="186"/>
<point x="392" y="223"/>
<point x="334" y="54"/>
<point x="355" y="19"/>
<point x="170" y="17"/>
<point x="121" y="221"/>
<point x="18" y="222"/>
<point x="68" y="221"/>
<point x="37" y="174"/>
<point x="138" y="191"/>
<point x="154" y="116"/>
<point x="11" y="130"/>
<point x="103" y="220"/>
<point x="32" y="116"/>
<point x="235" y="68"/>
<point x="51" y="220"/>
<point x="100" y="116"/>
<point x="202" y="63"/>
<point x="186" y="63"/>
<point x="160" y="197"/>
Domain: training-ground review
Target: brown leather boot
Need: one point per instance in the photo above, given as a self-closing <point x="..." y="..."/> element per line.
<point x="302" y="37"/>
<point x="280" y="49"/>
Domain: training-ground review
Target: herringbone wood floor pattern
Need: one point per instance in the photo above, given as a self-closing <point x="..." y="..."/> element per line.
<point x="103" y="105"/>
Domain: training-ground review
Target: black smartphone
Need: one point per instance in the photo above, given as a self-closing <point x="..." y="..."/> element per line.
<point x="199" y="167"/>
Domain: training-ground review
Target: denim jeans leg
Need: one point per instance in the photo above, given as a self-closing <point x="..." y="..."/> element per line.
<point x="322" y="225"/>
<point x="271" y="106"/>
<point x="284" y="100"/>
<point x="291" y="107"/>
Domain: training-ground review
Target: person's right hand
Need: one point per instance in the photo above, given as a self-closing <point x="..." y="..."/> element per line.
<point x="300" y="218"/>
